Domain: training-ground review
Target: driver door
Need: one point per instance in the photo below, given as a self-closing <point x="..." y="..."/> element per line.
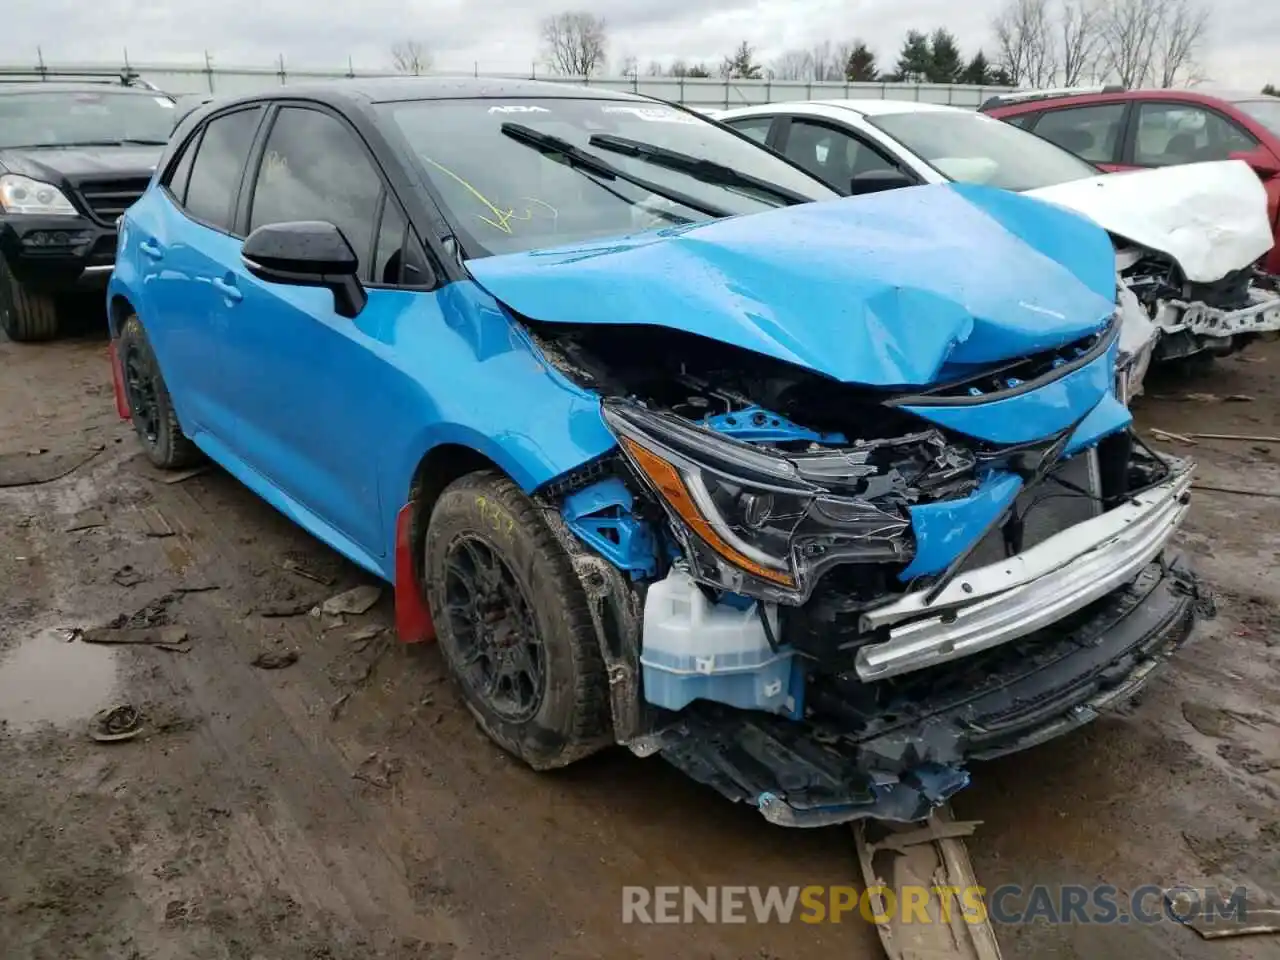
<point x="310" y="385"/>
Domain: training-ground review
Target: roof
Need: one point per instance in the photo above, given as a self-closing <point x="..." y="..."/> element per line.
<point x="55" y="86"/>
<point x="833" y="108"/>
<point x="878" y="107"/>
<point x="1027" y="101"/>
<point x="391" y="89"/>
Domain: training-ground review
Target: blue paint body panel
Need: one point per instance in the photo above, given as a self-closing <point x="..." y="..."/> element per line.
<point x="600" y="516"/>
<point x="887" y="289"/>
<point x="945" y="530"/>
<point x="328" y="418"/>
<point x="1037" y="413"/>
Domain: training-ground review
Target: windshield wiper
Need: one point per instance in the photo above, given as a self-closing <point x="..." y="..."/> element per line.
<point x="587" y="162"/>
<point x="708" y="171"/>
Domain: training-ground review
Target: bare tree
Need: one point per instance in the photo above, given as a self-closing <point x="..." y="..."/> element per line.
<point x="630" y="66"/>
<point x="839" y="61"/>
<point x="828" y="60"/>
<point x="1078" y="31"/>
<point x="1024" y="38"/>
<point x="1130" y="37"/>
<point x="409" y="56"/>
<point x="655" y="69"/>
<point x="792" y="65"/>
<point x="1182" y="36"/>
<point x="574" y="43"/>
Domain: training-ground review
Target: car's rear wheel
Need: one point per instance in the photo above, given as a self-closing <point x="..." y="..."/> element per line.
<point x="150" y="406"/>
<point x="513" y="623"/>
<point x="25" y="316"/>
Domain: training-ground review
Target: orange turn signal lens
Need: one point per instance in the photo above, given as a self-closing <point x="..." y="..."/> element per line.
<point x="671" y="485"/>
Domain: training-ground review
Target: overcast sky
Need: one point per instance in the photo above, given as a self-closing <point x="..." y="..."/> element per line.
<point x="1243" y="49"/>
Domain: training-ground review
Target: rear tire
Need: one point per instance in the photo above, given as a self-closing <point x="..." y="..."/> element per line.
<point x="514" y="625"/>
<point x="25" y="316"/>
<point x="150" y="407"/>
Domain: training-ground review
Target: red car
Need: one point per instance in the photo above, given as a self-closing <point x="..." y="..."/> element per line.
<point x="1120" y="129"/>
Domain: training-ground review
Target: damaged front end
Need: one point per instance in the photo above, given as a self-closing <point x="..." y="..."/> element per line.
<point x="1188" y="240"/>
<point x="826" y="601"/>
<point x="872" y="513"/>
<point x="1216" y="318"/>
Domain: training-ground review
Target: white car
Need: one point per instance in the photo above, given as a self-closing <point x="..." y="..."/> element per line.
<point x="1187" y="237"/>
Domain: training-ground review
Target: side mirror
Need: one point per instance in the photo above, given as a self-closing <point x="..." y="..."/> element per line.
<point x="1264" y="165"/>
<point x="308" y="253"/>
<point x="874" y="181"/>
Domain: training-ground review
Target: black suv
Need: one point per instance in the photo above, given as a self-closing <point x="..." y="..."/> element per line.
<point x="73" y="157"/>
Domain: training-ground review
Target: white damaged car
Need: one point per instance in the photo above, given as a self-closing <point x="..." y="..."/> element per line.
<point x="1187" y="237"/>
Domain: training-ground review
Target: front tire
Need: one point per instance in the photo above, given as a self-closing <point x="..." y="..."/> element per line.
<point x="150" y="406"/>
<point x="513" y="623"/>
<point x="25" y="316"/>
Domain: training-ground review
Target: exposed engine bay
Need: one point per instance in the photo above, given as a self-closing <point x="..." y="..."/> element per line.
<point x="763" y="522"/>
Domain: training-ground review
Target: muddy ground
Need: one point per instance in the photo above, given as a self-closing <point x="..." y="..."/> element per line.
<point x="345" y="806"/>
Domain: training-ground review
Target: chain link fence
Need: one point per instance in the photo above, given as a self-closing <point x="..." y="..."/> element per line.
<point x="696" y="92"/>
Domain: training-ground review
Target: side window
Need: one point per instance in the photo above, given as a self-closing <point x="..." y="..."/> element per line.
<point x="832" y="155"/>
<point x="1024" y="120"/>
<point x="180" y="172"/>
<point x="215" y="173"/>
<point x="1089" y="132"/>
<point x="757" y="128"/>
<point x="315" y="168"/>
<point x="1172" y="133"/>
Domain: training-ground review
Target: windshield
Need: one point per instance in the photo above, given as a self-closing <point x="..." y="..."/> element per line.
<point x="65" y="119"/>
<point x="1266" y="112"/>
<point x="976" y="148"/>
<point x="516" y="191"/>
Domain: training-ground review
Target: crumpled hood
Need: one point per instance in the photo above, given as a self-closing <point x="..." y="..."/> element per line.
<point x="882" y="290"/>
<point x="1209" y="217"/>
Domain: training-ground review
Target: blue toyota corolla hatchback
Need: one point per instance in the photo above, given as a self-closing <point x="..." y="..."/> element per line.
<point x="817" y="498"/>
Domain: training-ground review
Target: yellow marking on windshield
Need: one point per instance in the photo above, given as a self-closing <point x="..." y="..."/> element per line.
<point x="504" y="217"/>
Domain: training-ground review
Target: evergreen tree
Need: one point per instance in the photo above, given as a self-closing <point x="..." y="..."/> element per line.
<point x="978" y="71"/>
<point x="741" y="64"/>
<point x="915" y="60"/>
<point x="861" y="65"/>
<point x="945" y="63"/>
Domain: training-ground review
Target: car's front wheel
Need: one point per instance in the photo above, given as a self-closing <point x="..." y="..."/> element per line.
<point x="25" y="316"/>
<point x="513" y="623"/>
<point x="150" y="406"/>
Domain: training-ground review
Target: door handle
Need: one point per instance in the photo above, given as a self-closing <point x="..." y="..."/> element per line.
<point x="228" y="290"/>
<point x="151" y="249"/>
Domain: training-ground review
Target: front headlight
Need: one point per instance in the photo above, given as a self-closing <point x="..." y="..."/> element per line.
<point x="20" y="194"/>
<point x="761" y="522"/>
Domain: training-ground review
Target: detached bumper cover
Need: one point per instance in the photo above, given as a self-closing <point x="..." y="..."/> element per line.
<point x="995" y="604"/>
<point x="900" y="759"/>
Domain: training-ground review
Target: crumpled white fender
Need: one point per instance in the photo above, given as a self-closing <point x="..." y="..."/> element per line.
<point x="1211" y="218"/>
